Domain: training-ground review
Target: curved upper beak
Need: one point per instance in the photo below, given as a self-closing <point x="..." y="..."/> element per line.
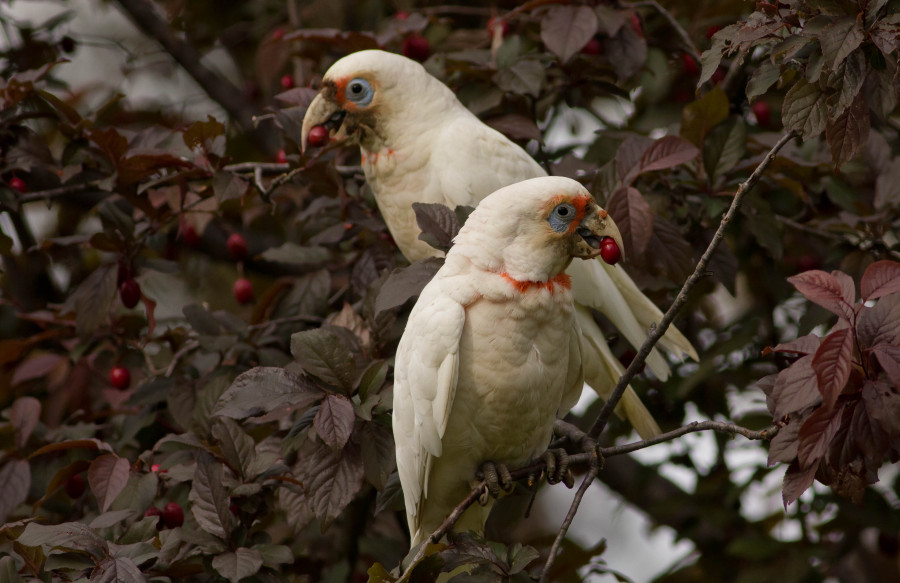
<point x="322" y="111"/>
<point x="593" y="228"/>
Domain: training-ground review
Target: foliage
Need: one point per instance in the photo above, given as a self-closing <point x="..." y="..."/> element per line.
<point x="269" y="423"/>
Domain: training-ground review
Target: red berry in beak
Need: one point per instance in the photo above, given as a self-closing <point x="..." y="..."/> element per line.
<point x="609" y="250"/>
<point x="318" y="136"/>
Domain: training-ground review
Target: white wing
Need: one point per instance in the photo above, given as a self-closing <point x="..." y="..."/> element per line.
<point x="425" y="375"/>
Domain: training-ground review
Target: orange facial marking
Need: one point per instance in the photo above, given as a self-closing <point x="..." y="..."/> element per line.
<point x="579" y="202"/>
<point x="562" y="280"/>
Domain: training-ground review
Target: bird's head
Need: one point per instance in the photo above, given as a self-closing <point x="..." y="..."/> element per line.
<point x="367" y="95"/>
<point x="533" y="229"/>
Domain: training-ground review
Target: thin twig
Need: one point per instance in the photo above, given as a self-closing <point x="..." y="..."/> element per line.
<point x="682" y="33"/>
<point x="656" y="332"/>
<point x="564" y="528"/>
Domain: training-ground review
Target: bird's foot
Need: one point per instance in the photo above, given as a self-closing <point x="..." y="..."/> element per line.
<point x="557" y="470"/>
<point x="497" y="479"/>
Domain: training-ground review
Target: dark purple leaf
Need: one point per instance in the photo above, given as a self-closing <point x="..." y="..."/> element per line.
<point x="438" y="223"/>
<point x="24" y="416"/>
<point x="888" y="356"/>
<point x="406" y="282"/>
<point x="628" y="51"/>
<point x="526" y="77"/>
<point x="795" y="388"/>
<point x="334" y="421"/>
<point x="323" y="354"/>
<point x="108" y="476"/>
<point x="15" y="479"/>
<point x="667" y="152"/>
<point x="119" y="569"/>
<point x="824" y="289"/>
<point x="796" y="482"/>
<point x="883" y="406"/>
<point x="228" y="186"/>
<point x="832" y="363"/>
<point x="517" y="127"/>
<point x="840" y="38"/>
<point x="209" y="497"/>
<point x="330" y="479"/>
<point x="566" y="29"/>
<point x="264" y="389"/>
<point x="669" y="253"/>
<point x="633" y="217"/>
<point x="804" y="109"/>
<point x="237" y="447"/>
<point x="377" y="453"/>
<point x="67" y="535"/>
<point x="849" y="132"/>
<point x="92" y="300"/>
<point x="868" y="437"/>
<point x="816" y="434"/>
<point x="880" y="279"/>
<point x="629" y="156"/>
<point x="880" y="323"/>
<point x="783" y="447"/>
<point x="242" y="563"/>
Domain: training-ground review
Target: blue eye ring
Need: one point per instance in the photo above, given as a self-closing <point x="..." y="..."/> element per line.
<point x="359" y="92"/>
<point x="560" y="217"/>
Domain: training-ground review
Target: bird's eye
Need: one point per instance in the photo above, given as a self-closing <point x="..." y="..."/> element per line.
<point x="360" y="92"/>
<point x="561" y="216"/>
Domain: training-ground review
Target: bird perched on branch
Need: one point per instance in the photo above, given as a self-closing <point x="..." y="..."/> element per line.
<point x="418" y="143"/>
<point x="492" y="352"/>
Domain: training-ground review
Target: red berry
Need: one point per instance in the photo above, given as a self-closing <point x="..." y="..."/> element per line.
<point x="763" y="113"/>
<point x="494" y="22"/>
<point x="154" y="511"/>
<point x="689" y="65"/>
<point x="318" y="136"/>
<point x="119" y="377"/>
<point x="173" y="515"/>
<point x="154" y="468"/>
<point x="401" y="15"/>
<point x="75" y="486"/>
<point x="281" y="157"/>
<point x="234" y="508"/>
<point x="130" y="293"/>
<point x="17" y="183"/>
<point x="592" y="47"/>
<point x="287" y="81"/>
<point x="712" y="30"/>
<point x="243" y="291"/>
<point x="416" y="47"/>
<point x="718" y="76"/>
<point x="609" y="250"/>
<point x="189" y="235"/>
<point x="237" y="246"/>
<point x="277" y="34"/>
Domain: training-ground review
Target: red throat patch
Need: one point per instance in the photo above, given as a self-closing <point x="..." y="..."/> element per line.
<point x="562" y="280"/>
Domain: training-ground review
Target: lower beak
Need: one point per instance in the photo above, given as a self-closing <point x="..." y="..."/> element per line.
<point x="325" y="112"/>
<point x="592" y="230"/>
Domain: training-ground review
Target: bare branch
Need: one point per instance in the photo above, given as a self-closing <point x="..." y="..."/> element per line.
<point x="679" y="30"/>
<point x="657" y="332"/>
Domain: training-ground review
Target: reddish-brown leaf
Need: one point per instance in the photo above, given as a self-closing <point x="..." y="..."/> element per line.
<point x="816" y="434"/>
<point x="796" y="388"/>
<point x="15" y="479"/>
<point x="667" y="152"/>
<point x="783" y="447"/>
<point x="847" y="133"/>
<point x="629" y="156"/>
<point x="35" y="367"/>
<point x="796" y="481"/>
<point x="881" y="323"/>
<point x="633" y="216"/>
<point x="883" y="406"/>
<point x="24" y="416"/>
<point x="334" y="421"/>
<point x="331" y="479"/>
<point x="804" y="345"/>
<point x="824" y="289"/>
<point x="832" y="364"/>
<point x="108" y="476"/>
<point x="566" y="29"/>
<point x="888" y="356"/>
<point x="880" y="279"/>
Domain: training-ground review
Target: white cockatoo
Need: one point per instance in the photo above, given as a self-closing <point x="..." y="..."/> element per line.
<point x="492" y="352"/>
<point x="420" y="144"/>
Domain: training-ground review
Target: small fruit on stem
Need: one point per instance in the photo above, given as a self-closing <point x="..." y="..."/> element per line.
<point x="416" y="47"/>
<point x="173" y="515"/>
<point x="75" y="486"/>
<point x="154" y="511"/>
<point x="287" y="81"/>
<point x="609" y="250"/>
<point x="237" y="246"/>
<point x="243" y="291"/>
<point x="119" y="377"/>
<point x="17" y="183"/>
<point x="130" y="293"/>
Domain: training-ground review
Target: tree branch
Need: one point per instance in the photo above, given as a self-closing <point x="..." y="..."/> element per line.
<point x="679" y="30"/>
<point x="657" y="331"/>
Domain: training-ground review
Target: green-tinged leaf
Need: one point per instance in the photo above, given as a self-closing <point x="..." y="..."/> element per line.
<point x="296" y="254"/>
<point x="378" y="574"/>
<point x="15" y="479"/>
<point x="237" y="447"/>
<point x="202" y="320"/>
<point x="210" y="498"/>
<point x="117" y="570"/>
<point x="524" y="78"/>
<point x="334" y="421"/>
<point x="804" y="109"/>
<point x="848" y="133"/>
<point x="566" y="29"/>
<point x="107" y="476"/>
<point x="832" y="362"/>
<point x="765" y="75"/>
<point x="724" y="147"/>
<point x="75" y="536"/>
<point x="323" y="354"/>
<point x="206" y="135"/>
<point x="632" y="214"/>
<point x="699" y="117"/>
<point x="762" y="224"/>
<point x="243" y="562"/>
<point x="841" y="38"/>
<point x="264" y="389"/>
<point x="331" y="479"/>
<point x="273" y="555"/>
<point x="853" y="76"/>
